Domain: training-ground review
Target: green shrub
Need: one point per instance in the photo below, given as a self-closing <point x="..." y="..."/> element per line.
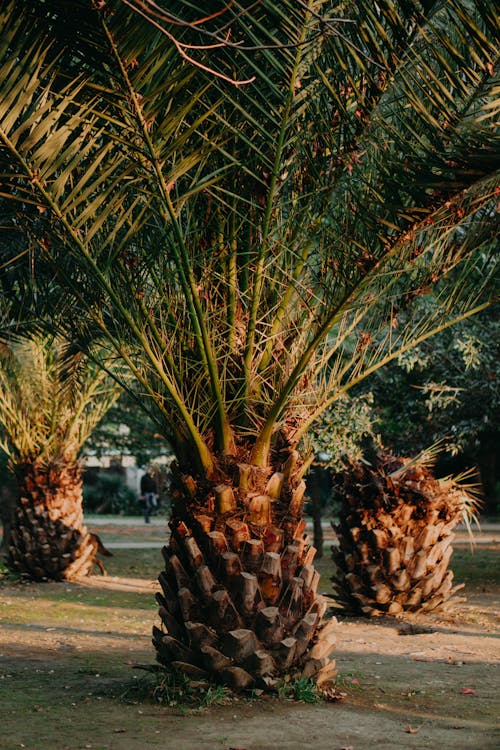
<point x="110" y="494"/>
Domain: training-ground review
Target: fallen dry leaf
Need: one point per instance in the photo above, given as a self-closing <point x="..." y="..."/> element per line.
<point x="468" y="691"/>
<point x="422" y="658"/>
<point x="412" y="730"/>
<point x="333" y="694"/>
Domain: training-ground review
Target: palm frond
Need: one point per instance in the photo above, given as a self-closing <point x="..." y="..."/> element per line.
<point x="51" y="399"/>
<point x="254" y="251"/>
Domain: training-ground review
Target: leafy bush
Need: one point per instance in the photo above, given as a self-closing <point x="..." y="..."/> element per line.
<point x="110" y="494"/>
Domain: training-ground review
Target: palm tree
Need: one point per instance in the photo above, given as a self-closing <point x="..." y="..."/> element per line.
<point x="50" y="401"/>
<point x="395" y="535"/>
<point x="244" y="205"/>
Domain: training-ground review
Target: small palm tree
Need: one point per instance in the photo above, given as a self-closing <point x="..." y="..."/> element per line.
<point x="50" y="401"/>
<point x="244" y="205"/>
<point x="395" y="535"/>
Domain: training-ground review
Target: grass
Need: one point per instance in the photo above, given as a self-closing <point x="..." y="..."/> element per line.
<point x="172" y="688"/>
<point x="474" y="565"/>
<point x="140" y="563"/>
<point x="348" y="680"/>
<point x="303" y="690"/>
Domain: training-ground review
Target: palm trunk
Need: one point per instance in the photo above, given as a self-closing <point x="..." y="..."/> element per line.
<point x="239" y="602"/>
<point x="395" y="533"/>
<point x="48" y="540"/>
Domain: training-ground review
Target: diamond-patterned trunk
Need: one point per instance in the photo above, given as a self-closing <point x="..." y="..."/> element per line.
<point x="239" y="600"/>
<point x="395" y="534"/>
<point x="48" y="539"/>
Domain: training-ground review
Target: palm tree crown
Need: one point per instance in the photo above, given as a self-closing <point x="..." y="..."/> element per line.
<point x="50" y="400"/>
<point x="255" y="241"/>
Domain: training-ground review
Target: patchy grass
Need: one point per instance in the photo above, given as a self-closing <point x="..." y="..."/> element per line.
<point x="173" y="689"/>
<point x="134" y="563"/>
<point x="303" y="690"/>
<point x="67" y="682"/>
<point x="477" y="566"/>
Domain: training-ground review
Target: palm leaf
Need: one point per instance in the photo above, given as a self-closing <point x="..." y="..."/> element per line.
<point x="51" y="399"/>
<point x="249" y="248"/>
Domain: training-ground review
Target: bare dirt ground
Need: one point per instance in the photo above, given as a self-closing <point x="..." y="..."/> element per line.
<point x="67" y="682"/>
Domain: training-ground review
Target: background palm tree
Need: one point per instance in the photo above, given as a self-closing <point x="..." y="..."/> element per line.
<point x="243" y="205"/>
<point x="50" y="401"/>
<point x="395" y="534"/>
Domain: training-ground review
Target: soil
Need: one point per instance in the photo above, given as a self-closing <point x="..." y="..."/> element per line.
<point x="67" y="681"/>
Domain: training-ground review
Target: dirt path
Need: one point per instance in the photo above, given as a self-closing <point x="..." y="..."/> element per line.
<point x="66" y="681"/>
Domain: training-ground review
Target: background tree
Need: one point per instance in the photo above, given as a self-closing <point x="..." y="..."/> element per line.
<point x="448" y="390"/>
<point x="128" y="430"/>
<point x="246" y="232"/>
<point x="50" y="401"/>
<point x="337" y="440"/>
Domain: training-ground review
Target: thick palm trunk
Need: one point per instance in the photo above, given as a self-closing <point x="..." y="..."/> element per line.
<point x="48" y="540"/>
<point x="395" y="533"/>
<point x="239" y="600"/>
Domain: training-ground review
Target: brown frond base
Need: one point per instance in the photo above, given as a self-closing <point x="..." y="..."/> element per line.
<point x="395" y="534"/>
<point x="239" y="603"/>
<point x="48" y="540"/>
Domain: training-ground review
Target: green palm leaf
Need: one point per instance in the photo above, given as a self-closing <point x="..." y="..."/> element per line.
<point x="237" y="243"/>
<point x="50" y="400"/>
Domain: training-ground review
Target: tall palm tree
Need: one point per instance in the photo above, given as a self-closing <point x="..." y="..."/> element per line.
<point x="244" y="205"/>
<point x="50" y="401"/>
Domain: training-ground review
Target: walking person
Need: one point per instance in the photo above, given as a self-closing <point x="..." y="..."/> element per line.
<point x="148" y="494"/>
